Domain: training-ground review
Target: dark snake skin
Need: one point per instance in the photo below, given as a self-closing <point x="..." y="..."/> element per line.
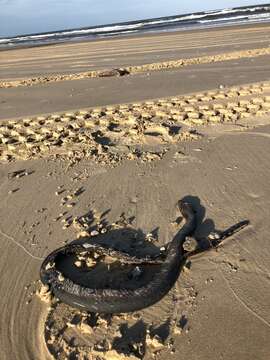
<point x="123" y="300"/>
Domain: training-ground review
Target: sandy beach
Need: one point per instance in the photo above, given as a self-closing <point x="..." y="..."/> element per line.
<point x="89" y="153"/>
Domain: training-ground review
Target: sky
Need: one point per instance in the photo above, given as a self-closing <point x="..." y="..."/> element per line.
<point x="33" y="16"/>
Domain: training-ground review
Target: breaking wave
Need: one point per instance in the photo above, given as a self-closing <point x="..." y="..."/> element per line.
<point x="186" y="21"/>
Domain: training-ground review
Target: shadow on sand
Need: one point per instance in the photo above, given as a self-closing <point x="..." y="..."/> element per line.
<point x="132" y="338"/>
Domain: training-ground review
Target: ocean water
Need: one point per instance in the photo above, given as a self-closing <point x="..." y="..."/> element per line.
<point x="214" y="18"/>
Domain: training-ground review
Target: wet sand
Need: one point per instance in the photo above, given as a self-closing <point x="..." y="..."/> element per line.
<point x="119" y="160"/>
<point x="129" y="51"/>
<point x="78" y="94"/>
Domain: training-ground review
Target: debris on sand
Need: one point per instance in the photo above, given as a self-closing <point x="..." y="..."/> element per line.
<point x="113" y="355"/>
<point x="114" y="72"/>
<point x="44" y="294"/>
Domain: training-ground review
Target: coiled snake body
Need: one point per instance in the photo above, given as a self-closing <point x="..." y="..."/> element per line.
<point x="121" y="300"/>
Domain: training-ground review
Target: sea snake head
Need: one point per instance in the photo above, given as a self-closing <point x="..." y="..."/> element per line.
<point x="185" y="209"/>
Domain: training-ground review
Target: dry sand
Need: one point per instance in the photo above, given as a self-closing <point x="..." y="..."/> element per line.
<point x="121" y="169"/>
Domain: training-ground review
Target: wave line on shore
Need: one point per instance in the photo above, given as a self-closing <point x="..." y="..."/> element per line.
<point x="20" y="245"/>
